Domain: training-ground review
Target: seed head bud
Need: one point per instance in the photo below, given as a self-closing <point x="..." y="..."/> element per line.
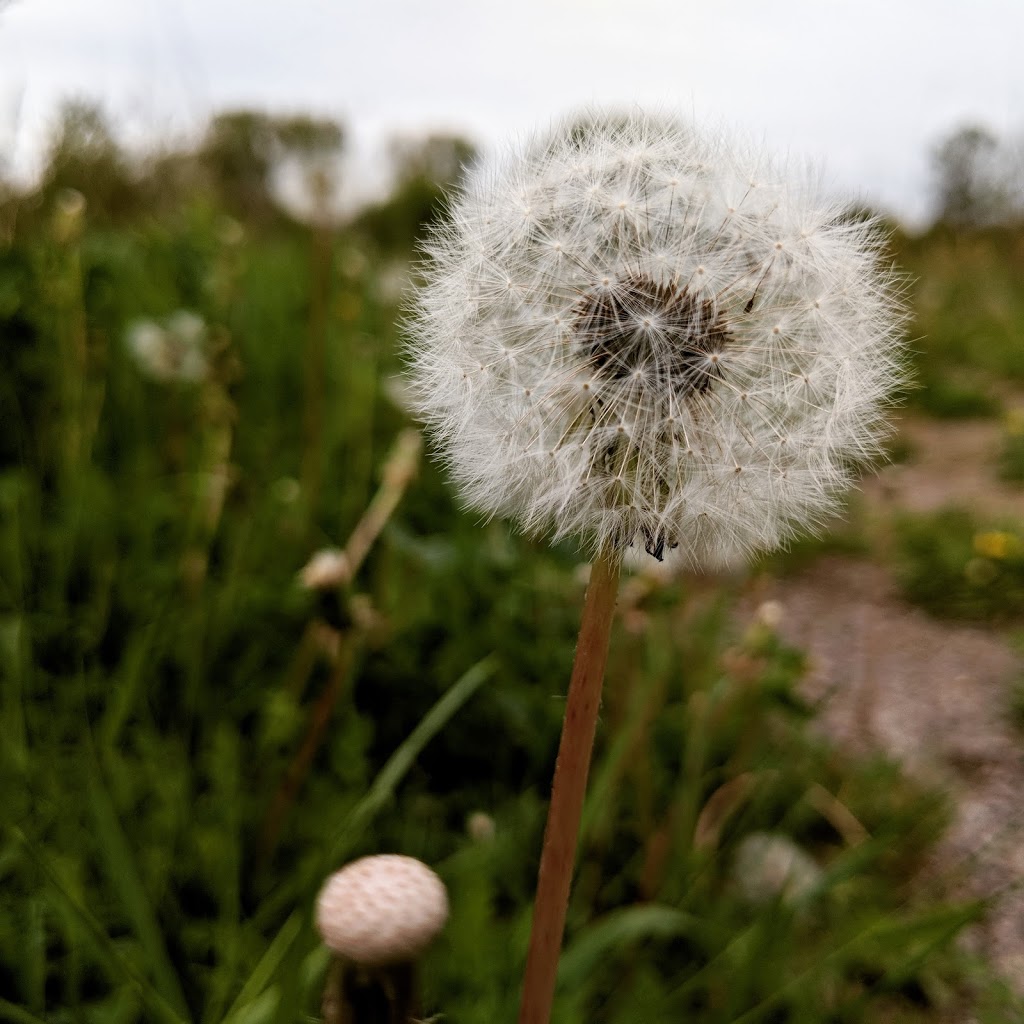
<point x="381" y="910"/>
<point x="69" y="215"/>
<point x="481" y="827"/>
<point x="770" y="614"/>
<point x="328" y="569"/>
<point x="769" y="866"/>
<point x="649" y="337"/>
<point x="173" y="352"/>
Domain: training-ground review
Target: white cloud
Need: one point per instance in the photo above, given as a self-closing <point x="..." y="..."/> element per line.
<point x="864" y="87"/>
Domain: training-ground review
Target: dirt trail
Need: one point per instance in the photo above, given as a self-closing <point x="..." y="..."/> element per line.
<point x="954" y="462"/>
<point x="933" y="694"/>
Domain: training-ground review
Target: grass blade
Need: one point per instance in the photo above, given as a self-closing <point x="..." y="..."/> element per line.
<point x="583" y="958"/>
<point x="280" y="959"/>
<point x="103" y="944"/>
<point x="16" y="1015"/>
<point x="263" y="973"/>
<point x="124" y="877"/>
<point x="403" y="758"/>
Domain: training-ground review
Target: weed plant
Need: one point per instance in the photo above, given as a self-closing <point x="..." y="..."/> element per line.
<point x="953" y="566"/>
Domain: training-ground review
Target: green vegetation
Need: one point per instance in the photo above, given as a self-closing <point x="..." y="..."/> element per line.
<point x="190" y="739"/>
<point x="952" y="566"/>
<point x="969" y="308"/>
<point x="1011" y="458"/>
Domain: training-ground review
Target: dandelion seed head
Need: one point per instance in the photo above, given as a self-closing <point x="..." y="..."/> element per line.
<point x="173" y="352"/>
<point x="682" y="349"/>
<point x="769" y="866"/>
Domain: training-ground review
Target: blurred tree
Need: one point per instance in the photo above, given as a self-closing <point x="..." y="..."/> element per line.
<point x="236" y="153"/>
<point x="311" y="146"/>
<point x="306" y="137"/>
<point x="243" y="150"/>
<point x="977" y="182"/>
<point x="169" y="177"/>
<point x="85" y="156"/>
<point x="425" y="170"/>
<point x="441" y="159"/>
<point x="8" y="209"/>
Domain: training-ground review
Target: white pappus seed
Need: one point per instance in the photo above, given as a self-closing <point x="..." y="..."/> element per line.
<point x="671" y="317"/>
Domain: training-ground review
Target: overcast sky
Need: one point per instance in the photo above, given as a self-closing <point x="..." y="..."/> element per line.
<point x="863" y="87"/>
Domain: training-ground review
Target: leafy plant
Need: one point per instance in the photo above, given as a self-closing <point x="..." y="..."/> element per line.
<point x="952" y="566"/>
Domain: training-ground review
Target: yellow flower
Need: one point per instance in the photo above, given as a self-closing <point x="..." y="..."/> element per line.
<point x="996" y="544"/>
<point x="1015" y="423"/>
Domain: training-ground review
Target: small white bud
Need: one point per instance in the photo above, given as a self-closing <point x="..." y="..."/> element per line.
<point x="326" y="570"/>
<point x="174" y="352"/>
<point x="68" y="214"/>
<point x="770" y="866"/>
<point x="770" y="614"/>
<point x="480" y="827"/>
<point x="381" y="910"/>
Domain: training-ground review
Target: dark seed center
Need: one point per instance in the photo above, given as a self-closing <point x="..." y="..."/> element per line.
<point x="660" y="334"/>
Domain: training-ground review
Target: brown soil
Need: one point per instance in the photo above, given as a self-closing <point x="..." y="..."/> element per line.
<point x="952" y="463"/>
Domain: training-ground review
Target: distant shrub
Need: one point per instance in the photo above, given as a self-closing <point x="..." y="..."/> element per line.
<point x="969" y="307"/>
<point x="949" y="398"/>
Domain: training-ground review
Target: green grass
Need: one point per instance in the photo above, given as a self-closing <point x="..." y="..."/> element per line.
<point x="968" y="318"/>
<point x="954" y="566"/>
<point x="161" y="667"/>
<point x="1011" y="458"/>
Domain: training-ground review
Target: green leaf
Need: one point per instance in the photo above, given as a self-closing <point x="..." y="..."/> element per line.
<point x="387" y="780"/>
<point x="620" y="928"/>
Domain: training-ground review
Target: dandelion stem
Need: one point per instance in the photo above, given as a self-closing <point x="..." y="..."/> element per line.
<point x="567" y="792"/>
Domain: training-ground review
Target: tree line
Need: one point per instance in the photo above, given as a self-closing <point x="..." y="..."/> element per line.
<point x="241" y="157"/>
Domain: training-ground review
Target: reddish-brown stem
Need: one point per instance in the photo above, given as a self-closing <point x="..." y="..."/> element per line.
<point x="319" y="720"/>
<point x="567" y="792"/>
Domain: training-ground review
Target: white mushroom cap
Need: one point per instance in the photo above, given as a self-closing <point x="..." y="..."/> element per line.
<point x="380" y="910"/>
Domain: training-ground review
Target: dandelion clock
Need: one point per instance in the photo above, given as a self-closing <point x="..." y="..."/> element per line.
<point x="658" y="342"/>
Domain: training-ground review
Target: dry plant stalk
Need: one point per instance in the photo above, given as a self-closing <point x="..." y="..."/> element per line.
<point x="337" y="648"/>
<point x="399" y="470"/>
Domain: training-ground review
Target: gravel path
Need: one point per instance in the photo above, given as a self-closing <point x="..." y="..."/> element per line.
<point x="935" y="696"/>
<point x="954" y="462"/>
